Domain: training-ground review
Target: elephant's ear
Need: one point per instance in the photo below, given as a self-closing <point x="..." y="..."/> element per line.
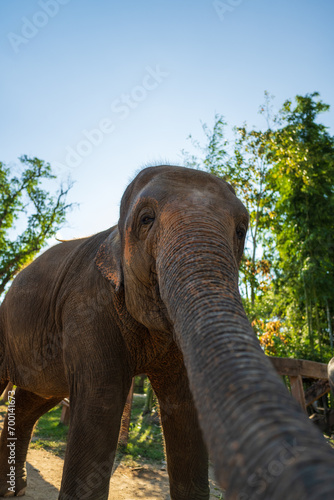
<point x="108" y="259"/>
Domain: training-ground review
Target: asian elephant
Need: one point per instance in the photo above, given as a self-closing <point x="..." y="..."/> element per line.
<point x="157" y="294"/>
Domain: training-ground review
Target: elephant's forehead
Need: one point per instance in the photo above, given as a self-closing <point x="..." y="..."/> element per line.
<point x="183" y="188"/>
<point x="190" y="188"/>
<point x="211" y="198"/>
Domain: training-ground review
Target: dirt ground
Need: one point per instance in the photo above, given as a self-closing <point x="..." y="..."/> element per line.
<point x="145" y="481"/>
<point x="127" y="483"/>
<point x="45" y="471"/>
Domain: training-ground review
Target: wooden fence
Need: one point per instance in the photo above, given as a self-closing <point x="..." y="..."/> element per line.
<point x="296" y="370"/>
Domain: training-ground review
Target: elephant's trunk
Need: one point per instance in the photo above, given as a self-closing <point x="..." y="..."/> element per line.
<point x="261" y="444"/>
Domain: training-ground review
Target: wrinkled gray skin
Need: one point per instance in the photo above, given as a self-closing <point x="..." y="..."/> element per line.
<point x="157" y="294"/>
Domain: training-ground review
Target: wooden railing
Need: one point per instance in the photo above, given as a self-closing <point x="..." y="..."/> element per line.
<point x="296" y="369"/>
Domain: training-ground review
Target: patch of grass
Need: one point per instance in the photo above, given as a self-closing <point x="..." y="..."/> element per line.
<point x="50" y="433"/>
<point x="145" y="436"/>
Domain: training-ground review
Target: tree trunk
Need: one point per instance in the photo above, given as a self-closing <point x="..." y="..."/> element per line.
<point x="329" y="323"/>
<point x="126" y="418"/>
<point x="148" y="400"/>
<point x="318" y="328"/>
<point x="309" y="317"/>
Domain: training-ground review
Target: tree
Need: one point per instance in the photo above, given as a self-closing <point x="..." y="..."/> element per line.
<point x="24" y="202"/>
<point x="243" y="163"/>
<point x="284" y="175"/>
<point x="301" y="183"/>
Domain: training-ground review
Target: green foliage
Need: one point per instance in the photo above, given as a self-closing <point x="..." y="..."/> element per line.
<point x="285" y="177"/>
<point x="150" y="399"/>
<point x="145" y="437"/>
<point x="23" y="201"/>
<point x="243" y="163"/>
<point x="139" y="386"/>
<point x="50" y="434"/>
<point x="301" y="182"/>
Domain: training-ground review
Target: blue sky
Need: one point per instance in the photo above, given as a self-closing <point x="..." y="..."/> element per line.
<point x="100" y="88"/>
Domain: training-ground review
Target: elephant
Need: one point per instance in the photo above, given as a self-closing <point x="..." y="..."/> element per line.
<point x="156" y="294"/>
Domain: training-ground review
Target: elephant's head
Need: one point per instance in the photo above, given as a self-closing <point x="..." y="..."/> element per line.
<point x="176" y="252"/>
<point x="169" y="216"/>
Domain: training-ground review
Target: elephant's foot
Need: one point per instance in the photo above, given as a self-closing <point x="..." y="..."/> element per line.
<point x="18" y="490"/>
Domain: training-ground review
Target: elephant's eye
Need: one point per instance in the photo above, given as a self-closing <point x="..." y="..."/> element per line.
<point x="241" y="233"/>
<point x="146" y="220"/>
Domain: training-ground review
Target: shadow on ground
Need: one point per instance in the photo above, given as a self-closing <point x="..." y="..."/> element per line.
<point x="38" y="487"/>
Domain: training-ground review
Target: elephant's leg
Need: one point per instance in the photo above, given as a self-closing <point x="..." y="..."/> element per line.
<point x="96" y="412"/>
<point x="187" y="458"/>
<point x="24" y="410"/>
